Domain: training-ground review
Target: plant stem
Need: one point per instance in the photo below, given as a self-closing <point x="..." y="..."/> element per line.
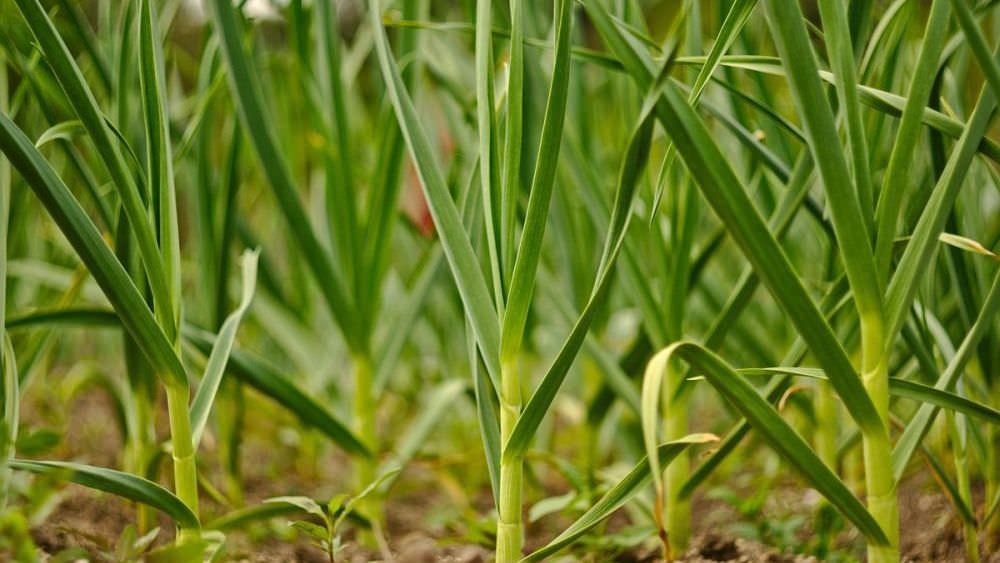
<point x="992" y="530"/>
<point x="960" y="456"/>
<point x="509" y="533"/>
<point x="677" y="516"/>
<point x="137" y="453"/>
<point x="879" y="483"/>
<point x="364" y="425"/>
<point x="185" y="470"/>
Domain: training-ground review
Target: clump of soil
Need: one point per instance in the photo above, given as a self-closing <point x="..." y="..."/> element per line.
<point x="713" y="548"/>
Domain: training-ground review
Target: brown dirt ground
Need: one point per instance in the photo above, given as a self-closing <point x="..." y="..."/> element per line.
<point x="93" y="521"/>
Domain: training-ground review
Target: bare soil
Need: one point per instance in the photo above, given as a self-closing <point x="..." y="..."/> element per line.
<point x="93" y="521"/>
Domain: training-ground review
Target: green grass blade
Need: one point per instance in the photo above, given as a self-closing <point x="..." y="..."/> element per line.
<point x="117" y="483"/>
<point x="86" y="317"/>
<point x="10" y="401"/>
<point x="633" y="163"/>
<point x="489" y="419"/>
<point x="221" y="349"/>
<point x="727" y="196"/>
<point x="771" y="427"/>
<point x="737" y="17"/>
<point x="617" y="496"/>
<point x="159" y="161"/>
<point x="246" y="90"/>
<point x="924" y="241"/>
<point x="95" y="254"/>
<point x="542" y="182"/>
<point x="792" y="39"/>
<point x="489" y="176"/>
<point x="81" y="98"/>
<point x="341" y="202"/>
<point x="897" y="176"/>
<point x="920" y="424"/>
<point x="939" y="398"/>
<point x="455" y="241"/>
<point x="840" y="50"/>
<point x="270" y="381"/>
<point x="513" y="138"/>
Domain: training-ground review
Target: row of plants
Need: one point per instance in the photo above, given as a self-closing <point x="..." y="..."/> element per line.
<point x="611" y="244"/>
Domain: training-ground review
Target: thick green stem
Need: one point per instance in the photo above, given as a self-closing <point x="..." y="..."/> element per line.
<point x="993" y="485"/>
<point x="509" y="533"/>
<point x="137" y="453"/>
<point x="826" y="424"/>
<point x="960" y="455"/>
<point x="877" y="445"/>
<point x="677" y="512"/>
<point x="364" y="425"/>
<point x="185" y="470"/>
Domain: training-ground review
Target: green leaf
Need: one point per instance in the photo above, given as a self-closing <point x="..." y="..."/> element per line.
<point x="117" y="483"/>
<point x="540" y="197"/>
<point x="896" y="179"/>
<point x="71" y="80"/>
<point x="455" y="241"/>
<point x="270" y="381"/>
<point x="95" y="254"/>
<point x="239" y="518"/>
<point x="245" y="88"/>
<point x="160" y="164"/>
<point x="768" y="424"/>
<point x="728" y="197"/>
<point x="923" y="242"/>
<point x="305" y="504"/>
<point x="789" y="31"/>
<point x="901" y="388"/>
<point x="617" y="496"/>
<point x="217" y="359"/>
<point x="64" y="131"/>
<point x="920" y="423"/>
<point x="634" y="161"/>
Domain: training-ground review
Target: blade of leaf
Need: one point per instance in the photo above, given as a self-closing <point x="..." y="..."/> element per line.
<point x="217" y="359"/>
<point x="117" y="483"/>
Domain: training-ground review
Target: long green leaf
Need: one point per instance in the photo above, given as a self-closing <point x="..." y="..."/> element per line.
<point x="901" y="388"/>
<point x="633" y="163"/>
<point x="617" y="496"/>
<point x="270" y="381"/>
<point x="771" y="427"/>
<point x="245" y="88"/>
<point x="455" y="241"/>
<point x="160" y="162"/>
<point x="896" y="179"/>
<point x="117" y="483"/>
<point x="217" y="359"/>
<point x="542" y="181"/>
<point x="727" y="196"/>
<point x="81" y="98"/>
<point x="90" y="246"/>
<point x="919" y="425"/>
<point x="788" y="28"/>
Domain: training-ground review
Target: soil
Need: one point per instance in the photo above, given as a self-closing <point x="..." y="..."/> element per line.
<point x="415" y="532"/>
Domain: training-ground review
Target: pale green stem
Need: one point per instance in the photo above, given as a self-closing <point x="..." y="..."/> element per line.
<point x="880" y="486"/>
<point x="992" y="530"/>
<point x="185" y="470"/>
<point x="959" y="453"/>
<point x="826" y="444"/>
<point x="677" y="512"/>
<point x="364" y="425"/>
<point x="137" y="455"/>
<point x="509" y="532"/>
<point x="826" y="424"/>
